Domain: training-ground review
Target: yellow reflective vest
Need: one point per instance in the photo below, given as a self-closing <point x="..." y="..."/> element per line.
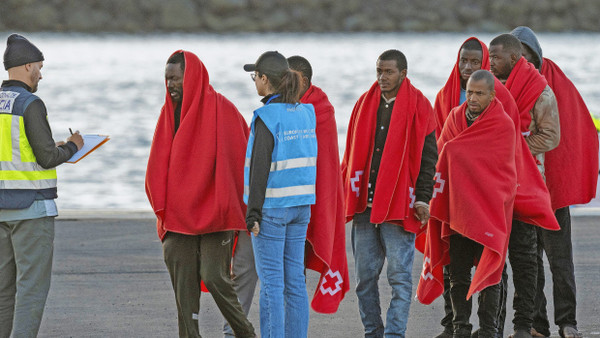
<point x="19" y="169"/>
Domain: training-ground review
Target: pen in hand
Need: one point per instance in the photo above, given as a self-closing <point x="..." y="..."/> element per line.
<point x="76" y="138"/>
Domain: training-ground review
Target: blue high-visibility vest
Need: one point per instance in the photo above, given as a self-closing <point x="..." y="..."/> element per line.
<point x="293" y="172"/>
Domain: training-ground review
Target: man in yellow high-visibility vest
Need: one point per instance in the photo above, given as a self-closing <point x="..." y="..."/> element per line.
<point x="28" y="157"/>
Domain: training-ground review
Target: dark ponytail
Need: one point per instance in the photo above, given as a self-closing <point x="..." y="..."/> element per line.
<point x="288" y="86"/>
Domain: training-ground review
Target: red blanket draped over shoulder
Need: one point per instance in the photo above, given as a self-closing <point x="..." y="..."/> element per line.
<point x="525" y="84"/>
<point x="449" y="96"/>
<point x="412" y="120"/>
<point x="572" y="167"/>
<point x="478" y="166"/>
<point x="194" y="180"/>
<point x="532" y="204"/>
<point x="326" y="234"/>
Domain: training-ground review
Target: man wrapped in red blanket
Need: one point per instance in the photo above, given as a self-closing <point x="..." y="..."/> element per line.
<point x="538" y="115"/>
<point x="571" y="176"/>
<point x="326" y="234"/>
<point x="388" y="172"/>
<point x="194" y="182"/>
<point x="532" y="203"/>
<point x="472" y="207"/>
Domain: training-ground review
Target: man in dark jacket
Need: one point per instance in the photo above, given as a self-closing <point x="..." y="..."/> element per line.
<point x="540" y="126"/>
<point x="577" y="152"/>
<point x="28" y="156"/>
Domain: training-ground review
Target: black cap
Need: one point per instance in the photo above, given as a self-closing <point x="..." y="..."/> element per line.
<point x="270" y="63"/>
<point x="20" y="51"/>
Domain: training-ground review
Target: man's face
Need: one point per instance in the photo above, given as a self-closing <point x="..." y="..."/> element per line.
<point x="35" y="75"/>
<point x="174" y="78"/>
<point x="389" y="77"/>
<point x="468" y="62"/>
<point x="479" y="96"/>
<point x="501" y="62"/>
<point x="529" y="55"/>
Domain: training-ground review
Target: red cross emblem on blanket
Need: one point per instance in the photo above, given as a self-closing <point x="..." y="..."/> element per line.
<point x="331" y="283"/>
<point x="439" y="184"/>
<point x="426" y="273"/>
<point x="354" y="180"/>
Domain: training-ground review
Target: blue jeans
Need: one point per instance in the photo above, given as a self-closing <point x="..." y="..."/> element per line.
<point x="279" y="260"/>
<point x="371" y="245"/>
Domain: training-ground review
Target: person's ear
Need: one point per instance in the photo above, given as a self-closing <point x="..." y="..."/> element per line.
<point x="305" y="82"/>
<point x="514" y="58"/>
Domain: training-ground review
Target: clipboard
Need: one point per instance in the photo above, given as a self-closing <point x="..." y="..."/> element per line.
<point x="91" y="142"/>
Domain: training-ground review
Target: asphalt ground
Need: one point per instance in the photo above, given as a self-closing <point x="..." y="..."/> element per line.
<point x="109" y="280"/>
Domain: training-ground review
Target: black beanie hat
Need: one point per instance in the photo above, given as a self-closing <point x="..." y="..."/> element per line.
<point x="20" y="51"/>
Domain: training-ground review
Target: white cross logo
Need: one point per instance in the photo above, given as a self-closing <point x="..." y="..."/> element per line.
<point x="428" y="275"/>
<point x="338" y="283"/>
<point x="438" y="179"/>
<point x="354" y="180"/>
<point x="411" y="195"/>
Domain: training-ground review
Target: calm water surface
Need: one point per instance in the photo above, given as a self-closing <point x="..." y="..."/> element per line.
<point x="114" y="84"/>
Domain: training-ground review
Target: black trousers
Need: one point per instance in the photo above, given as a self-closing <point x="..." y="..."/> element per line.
<point x="448" y="314"/>
<point x="559" y="251"/>
<point x="522" y="255"/>
<point x="191" y="258"/>
<point x="463" y="252"/>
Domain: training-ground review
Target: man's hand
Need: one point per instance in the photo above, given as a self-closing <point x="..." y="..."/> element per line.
<point x="422" y="214"/>
<point x="77" y="139"/>
<point x="255" y="229"/>
<point x="60" y="143"/>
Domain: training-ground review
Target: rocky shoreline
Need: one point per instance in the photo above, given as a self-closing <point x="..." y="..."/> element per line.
<point x="220" y="16"/>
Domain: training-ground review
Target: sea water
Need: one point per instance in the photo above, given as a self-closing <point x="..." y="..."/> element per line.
<point x="114" y="84"/>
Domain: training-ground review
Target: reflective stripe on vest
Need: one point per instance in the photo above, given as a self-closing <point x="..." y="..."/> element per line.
<point x="285" y="192"/>
<point x="18" y="166"/>
<point x="289" y="164"/>
<point x="292" y="176"/>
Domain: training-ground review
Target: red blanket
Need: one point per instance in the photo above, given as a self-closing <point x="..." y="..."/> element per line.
<point x="532" y="203"/>
<point x="525" y="84"/>
<point x="477" y="165"/>
<point x="412" y="120"/>
<point x="449" y="96"/>
<point x="572" y="167"/>
<point x="326" y="234"/>
<point x="194" y="180"/>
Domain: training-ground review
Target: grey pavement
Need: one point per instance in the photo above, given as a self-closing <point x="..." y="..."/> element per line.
<point x="109" y="280"/>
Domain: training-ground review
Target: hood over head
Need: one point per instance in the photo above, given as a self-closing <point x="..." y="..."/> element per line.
<point x="527" y="37"/>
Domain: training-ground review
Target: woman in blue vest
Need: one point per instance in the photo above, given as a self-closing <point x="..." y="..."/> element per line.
<point x="279" y="187"/>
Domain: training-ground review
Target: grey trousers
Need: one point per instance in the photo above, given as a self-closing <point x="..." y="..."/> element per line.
<point x="244" y="276"/>
<point x="207" y="257"/>
<point x="26" y="249"/>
